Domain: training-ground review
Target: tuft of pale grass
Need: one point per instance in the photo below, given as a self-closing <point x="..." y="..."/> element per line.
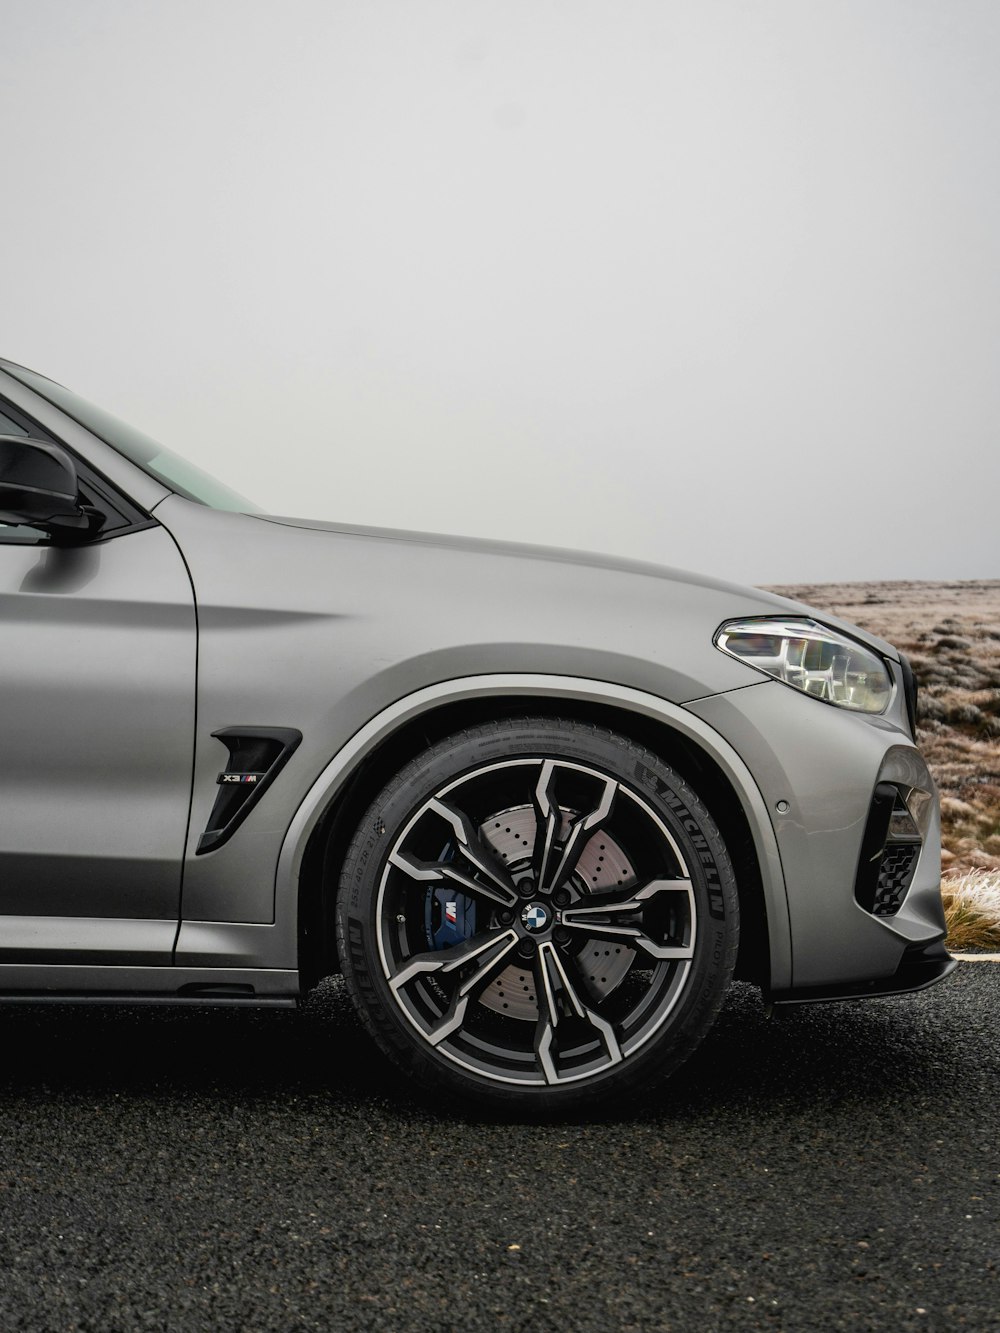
<point x="972" y="909"/>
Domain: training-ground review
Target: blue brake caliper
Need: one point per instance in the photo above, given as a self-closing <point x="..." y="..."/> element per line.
<point x="449" y="916"/>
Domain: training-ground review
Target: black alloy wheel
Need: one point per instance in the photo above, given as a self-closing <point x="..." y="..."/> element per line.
<point x="539" y="914"/>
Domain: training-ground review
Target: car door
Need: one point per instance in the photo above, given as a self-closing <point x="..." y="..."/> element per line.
<point x="97" y="701"/>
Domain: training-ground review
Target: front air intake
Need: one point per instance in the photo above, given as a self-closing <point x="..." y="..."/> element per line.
<point x="899" y="861"/>
<point x="256" y="756"/>
<point x="890" y="850"/>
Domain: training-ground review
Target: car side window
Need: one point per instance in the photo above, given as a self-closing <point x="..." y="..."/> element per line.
<point x="10" y="427"/>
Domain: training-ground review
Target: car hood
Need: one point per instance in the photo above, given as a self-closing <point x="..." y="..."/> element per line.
<point x="765" y="601"/>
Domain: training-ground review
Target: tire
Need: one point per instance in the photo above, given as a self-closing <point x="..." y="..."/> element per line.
<point x="539" y="915"/>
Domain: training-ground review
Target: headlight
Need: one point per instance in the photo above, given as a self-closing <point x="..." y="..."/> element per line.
<point x="811" y="658"/>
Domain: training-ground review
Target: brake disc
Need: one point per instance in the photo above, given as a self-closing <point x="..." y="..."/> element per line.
<point x="602" y="865"/>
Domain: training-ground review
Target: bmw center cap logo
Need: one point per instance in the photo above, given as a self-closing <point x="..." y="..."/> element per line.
<point x="535" y="917"/>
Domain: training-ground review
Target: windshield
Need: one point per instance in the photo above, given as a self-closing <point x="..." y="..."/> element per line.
<point x="163" y="464"/>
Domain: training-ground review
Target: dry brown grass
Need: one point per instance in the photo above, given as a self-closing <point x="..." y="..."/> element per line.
<point x="972" y="909"/>
<point x="951" y="634"/>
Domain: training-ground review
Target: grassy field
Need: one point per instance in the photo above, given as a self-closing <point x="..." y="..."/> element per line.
<point x="951" y="634"/>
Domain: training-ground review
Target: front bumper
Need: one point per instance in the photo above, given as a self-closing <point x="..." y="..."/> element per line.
<point x="817" y="768"/>
<point x="921" y="966"/>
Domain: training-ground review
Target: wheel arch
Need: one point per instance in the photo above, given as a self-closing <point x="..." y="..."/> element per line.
<point x="318" y="838"/>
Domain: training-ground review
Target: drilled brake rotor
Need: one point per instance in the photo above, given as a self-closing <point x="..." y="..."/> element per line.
<point x="602" y="866"/>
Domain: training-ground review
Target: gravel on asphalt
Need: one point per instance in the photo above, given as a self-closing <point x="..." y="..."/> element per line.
<point x="836" y="1166"/>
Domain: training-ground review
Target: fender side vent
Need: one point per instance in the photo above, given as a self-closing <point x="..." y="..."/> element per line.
<point x="256" y="756"/>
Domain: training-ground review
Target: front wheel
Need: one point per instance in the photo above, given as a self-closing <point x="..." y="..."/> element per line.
<point x="538" y="914"/>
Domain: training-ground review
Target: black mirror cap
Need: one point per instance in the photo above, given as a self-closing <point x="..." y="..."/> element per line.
<point x="38" y="486"/>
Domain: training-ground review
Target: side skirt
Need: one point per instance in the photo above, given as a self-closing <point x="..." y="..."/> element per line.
<point x="31" y="983"/>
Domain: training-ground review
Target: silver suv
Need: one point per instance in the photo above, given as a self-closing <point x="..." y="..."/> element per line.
<point x="538" y="807"/>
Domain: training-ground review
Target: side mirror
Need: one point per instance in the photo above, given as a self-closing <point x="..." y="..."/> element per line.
<point x="38" y="487"/>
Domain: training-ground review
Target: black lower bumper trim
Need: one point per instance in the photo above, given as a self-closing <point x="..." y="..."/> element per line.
<point x="923" y="965"/>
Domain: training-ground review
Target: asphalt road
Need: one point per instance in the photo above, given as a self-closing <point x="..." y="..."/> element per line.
<point x="837" y="1167"/>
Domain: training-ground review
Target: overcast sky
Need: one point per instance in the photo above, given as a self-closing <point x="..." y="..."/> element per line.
<point x="714" y="284"/>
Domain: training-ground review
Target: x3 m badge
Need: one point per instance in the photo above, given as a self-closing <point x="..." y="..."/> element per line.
<point x="239" y="777"/>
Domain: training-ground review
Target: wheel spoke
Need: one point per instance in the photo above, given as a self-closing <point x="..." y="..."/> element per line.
<point x="548" y="819"/>
<point x="580" y="827"/>
<point x="593" y="920"/>
<point x="429" y="871"/>
<point x="491" y="954"/>
<point x="471" y="847"/>
<point x="559" y="999"/>
<point x="456" y="955"/>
